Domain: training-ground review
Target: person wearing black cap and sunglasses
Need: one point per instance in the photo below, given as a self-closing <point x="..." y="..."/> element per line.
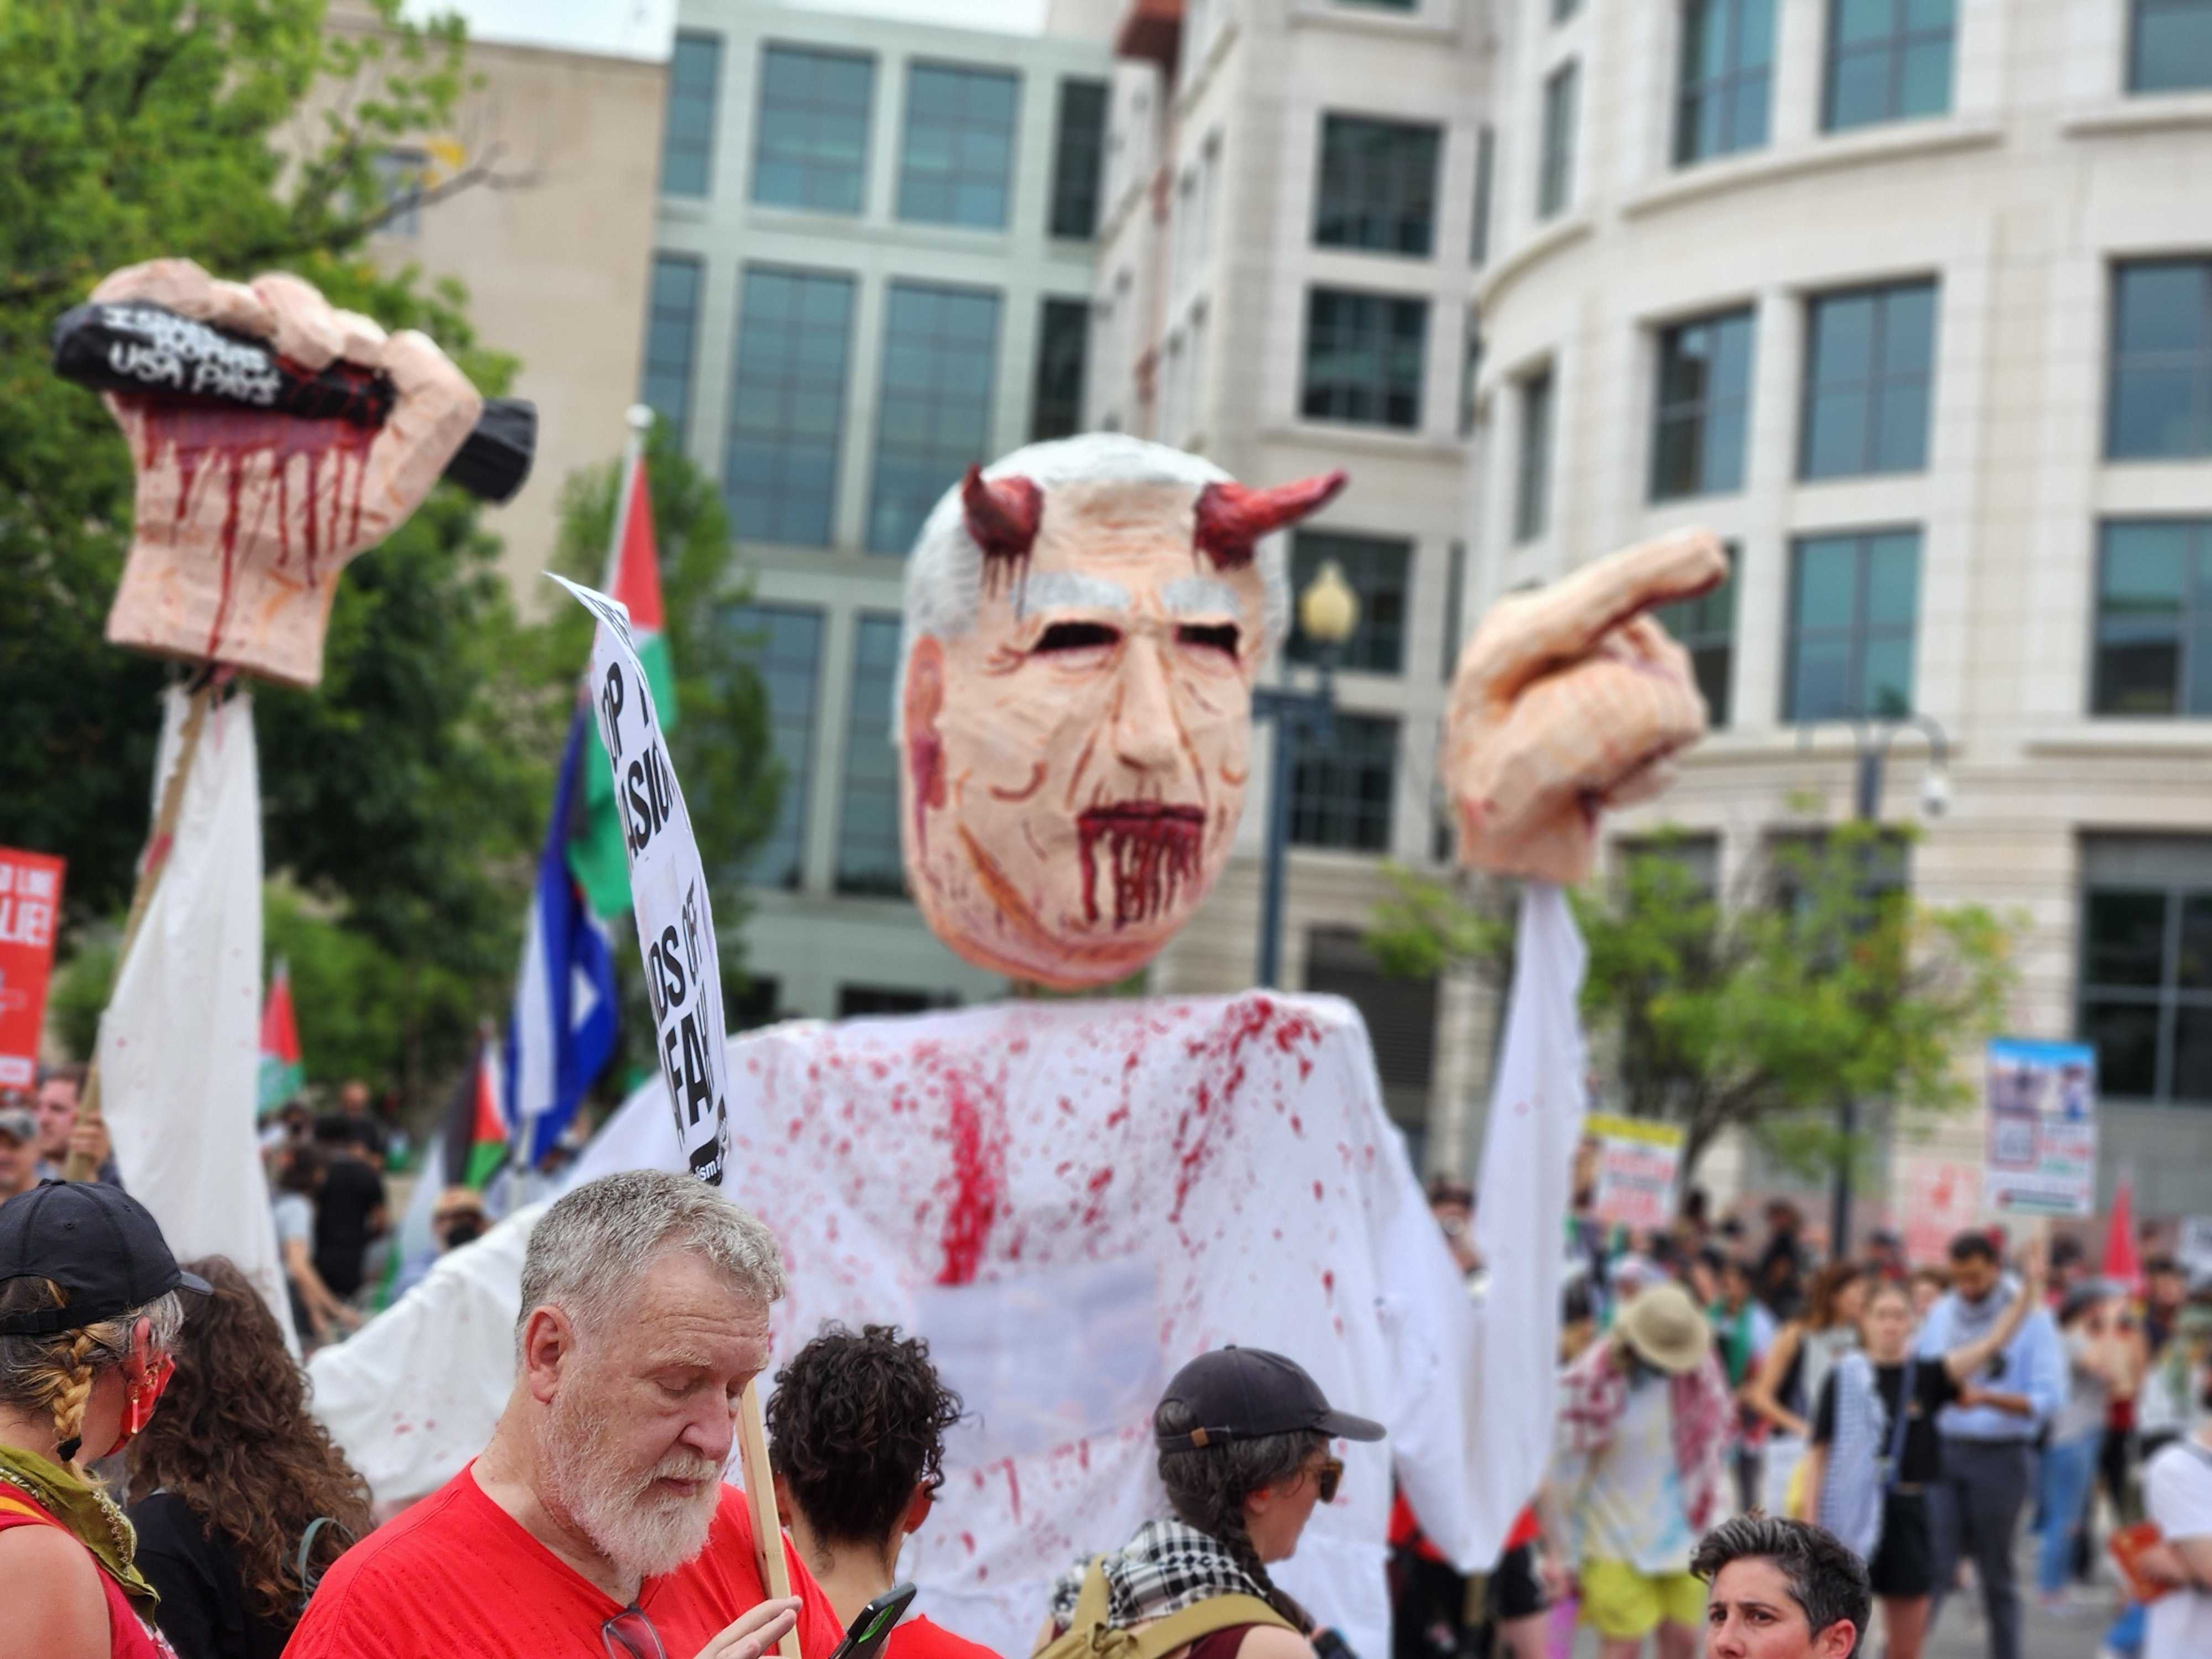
<point x="1244" y="1442"/>
<point x="88" y="1310"/>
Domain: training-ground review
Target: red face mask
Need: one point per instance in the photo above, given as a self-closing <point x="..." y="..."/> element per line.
<point x="145" y="1374"/>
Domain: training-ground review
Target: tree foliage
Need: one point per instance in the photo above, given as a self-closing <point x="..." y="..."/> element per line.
<point x="404" y="795"/>
<point x="1813" y="981"/>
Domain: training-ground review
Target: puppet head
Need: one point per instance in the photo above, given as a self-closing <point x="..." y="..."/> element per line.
<point x="1570" y="699"/>
<point x="1083" y="625"/>
<point x="245" y="518"/>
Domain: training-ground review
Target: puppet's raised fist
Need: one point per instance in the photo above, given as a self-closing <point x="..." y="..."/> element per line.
<point x="1571" y="699"/>
<point x="245" y="518"/>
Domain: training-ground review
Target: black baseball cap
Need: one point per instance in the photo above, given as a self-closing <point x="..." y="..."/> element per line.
<point x="97" y="1242"/>
<point x="1243" y="1394"/>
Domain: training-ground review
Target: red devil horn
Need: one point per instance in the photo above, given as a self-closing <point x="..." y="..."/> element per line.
<point x="1002" y="516"/>
<point x="1231" y="518"/>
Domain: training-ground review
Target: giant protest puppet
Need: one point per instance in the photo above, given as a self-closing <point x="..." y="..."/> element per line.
<point x="1070" y="1198"/>
<point x="275" y="438"/>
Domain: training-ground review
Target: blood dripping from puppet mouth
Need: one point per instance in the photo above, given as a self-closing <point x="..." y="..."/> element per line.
<point x="1151" y="850"/>
<point x="204" y="439"/>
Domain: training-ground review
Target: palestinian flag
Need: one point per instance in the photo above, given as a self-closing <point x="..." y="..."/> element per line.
<point x="281" y="1071"/>
<point x="476" y="1135"/>
<point x="596" y="857"/>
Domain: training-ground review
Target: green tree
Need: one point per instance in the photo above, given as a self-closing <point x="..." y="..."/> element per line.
<point x="721" y="742"/>
<point x="405" y="795"/>
<point x="1818" y="978"/>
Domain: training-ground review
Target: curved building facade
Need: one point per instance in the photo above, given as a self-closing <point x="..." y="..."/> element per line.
<point x="1911" y="300"/>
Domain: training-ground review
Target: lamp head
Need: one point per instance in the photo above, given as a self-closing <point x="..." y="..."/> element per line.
<point x="1328" y="610"/>
<point x="1934" y="794"/>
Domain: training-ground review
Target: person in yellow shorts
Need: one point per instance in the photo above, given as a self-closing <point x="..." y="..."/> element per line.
<point x="1638" y="1473"/>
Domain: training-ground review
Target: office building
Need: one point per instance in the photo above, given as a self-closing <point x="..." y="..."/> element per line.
<point x="1912" y="302"/>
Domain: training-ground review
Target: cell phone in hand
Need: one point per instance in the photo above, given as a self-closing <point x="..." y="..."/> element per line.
<point x="872" y="1626"/>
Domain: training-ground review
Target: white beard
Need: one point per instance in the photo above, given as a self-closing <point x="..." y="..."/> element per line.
<point x="640" y="1531"/>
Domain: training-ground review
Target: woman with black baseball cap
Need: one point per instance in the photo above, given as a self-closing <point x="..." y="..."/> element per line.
<point x="88" y="1310"/>
<point x="1244" y="1442"/>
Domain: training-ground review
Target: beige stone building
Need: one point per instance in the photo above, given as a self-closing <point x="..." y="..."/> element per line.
<point x="1912" y="304"/>
<point x="555" y="247"/>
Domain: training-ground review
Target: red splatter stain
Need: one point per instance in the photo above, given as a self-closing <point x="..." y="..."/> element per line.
<point x="967" y="1540"/>
<point x="1318" y="1193"/>
<point x="1151" y="850"/>
<point x="1328" y="1285"/>
<point x="204" y="439"/>
<point x="1014" y="1490"/>
<point x="979" y="1171"/>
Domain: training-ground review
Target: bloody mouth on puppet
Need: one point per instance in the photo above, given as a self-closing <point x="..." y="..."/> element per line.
<point x="1152" y="849"/>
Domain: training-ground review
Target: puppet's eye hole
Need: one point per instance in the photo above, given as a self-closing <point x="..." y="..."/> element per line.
<point x="1213" y="636"/>
<point x="1078" y="636"/>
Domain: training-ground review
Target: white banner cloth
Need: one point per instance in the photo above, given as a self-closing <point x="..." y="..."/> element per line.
<point x="1536" y="1108"/>
<point x="179" y="1044"/>
<point x="1071" y="1200"/>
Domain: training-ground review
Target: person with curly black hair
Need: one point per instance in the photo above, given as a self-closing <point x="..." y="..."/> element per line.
<point x="856" y="1440"/>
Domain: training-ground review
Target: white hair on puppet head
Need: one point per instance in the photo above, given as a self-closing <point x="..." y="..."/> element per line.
<point x="945" y="572"/>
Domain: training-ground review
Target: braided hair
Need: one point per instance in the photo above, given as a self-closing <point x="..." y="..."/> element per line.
<point x="55" y="1371"/>
<point x="1207" y="1486"/>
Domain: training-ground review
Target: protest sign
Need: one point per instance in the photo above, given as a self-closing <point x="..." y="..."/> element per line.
<point x="668" y="891"/>
<point x="30" y="900"/>
<point x="2195" y="1249"/>
<point x="1638" y="1162"/>
<point x="1941" y="1198"/>
<point x="2042" y="1127"/>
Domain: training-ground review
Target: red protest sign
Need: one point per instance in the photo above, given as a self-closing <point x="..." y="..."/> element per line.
<point x="30" y="903"/>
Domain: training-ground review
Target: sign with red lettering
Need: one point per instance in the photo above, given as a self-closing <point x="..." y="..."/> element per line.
<point x="1638" y="1162"/>
<point x="30" y="903"/>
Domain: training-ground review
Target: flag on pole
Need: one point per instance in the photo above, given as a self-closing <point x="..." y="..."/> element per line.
<point x="2121" y="1264"/>
<point x="475" y="1139"/>
<point x="562" y="1027"/>
<point x="280" y="1074"/>
<point x="595" y="845"/>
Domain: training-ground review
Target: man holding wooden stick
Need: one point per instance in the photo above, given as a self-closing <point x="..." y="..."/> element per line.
<point x="597" y="1511"/>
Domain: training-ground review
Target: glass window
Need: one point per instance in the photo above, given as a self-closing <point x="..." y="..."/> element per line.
<point x="1555" y="175"/>
<point x="1725" y="82"/>
<point x="783" y="644"/>
<point x="687" y="141"/>
<point x="1486" y="166"/>
<point x="671" y="320"/>
<point x="1889" y="60"/>
<point x="1381" y="5"/>
<point x="1854" y="607"/>
<point x="1704" y="406"/>
<point x="1532" y="484"/>
<point x="1063" y="338"/>
<point x="856" y="1001"/>
<point x="1378" y="184"/>
<point x="401" y="172"/>
<point x="1364" y="353"/>
<point x="1077" y="152"/>
<point x="1376" y="568"/>
<point x="2145" y="968"/>
<point x="1705" y="627"/>
<point x="933" y="408"/>
<point x="812" y="150"/>
<point x="868" y="819"/>
<point x="958" y="163"/>
<point x="787" y="406"/>
<point x="1399" y="1011"/>
<point x="2161" y="376"/>
<point x="2155" y="618"/>
<point x="1869" y="370"/>
<point x="1341" y="785"/>
<point x="1563" y="10"/>
<point x="2170" y="45"/>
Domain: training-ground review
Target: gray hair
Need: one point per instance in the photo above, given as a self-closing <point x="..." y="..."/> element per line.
<point x="1826" y="1580"/>
<point x="595" y="1242"/>
<point x="945" y="573"/>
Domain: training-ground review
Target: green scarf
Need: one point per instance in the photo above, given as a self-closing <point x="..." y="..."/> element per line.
<point x="90" y="1514"/>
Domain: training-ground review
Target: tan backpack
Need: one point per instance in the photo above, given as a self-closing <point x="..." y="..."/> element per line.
<point x="1090" y="1636"/>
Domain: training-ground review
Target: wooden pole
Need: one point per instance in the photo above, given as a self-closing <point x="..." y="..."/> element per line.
<point x="760" y="1493"/>
<point x="78" y="1167"/>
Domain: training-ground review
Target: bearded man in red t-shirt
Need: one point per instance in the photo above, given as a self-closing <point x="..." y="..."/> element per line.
<point x="596" y="1523"/>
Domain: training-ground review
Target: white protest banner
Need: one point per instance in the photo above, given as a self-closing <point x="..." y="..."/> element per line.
<point x="2042" y="1153"/>
<point x="1638" y="1162"/>
<point x="682" y="976"/>
<point x="668" y="891"/>
<point x="2195" y="1249"/>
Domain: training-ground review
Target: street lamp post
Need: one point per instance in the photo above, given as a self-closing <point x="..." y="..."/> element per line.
<point x="1874" y="737"/>
<point x="1327" y="612"/>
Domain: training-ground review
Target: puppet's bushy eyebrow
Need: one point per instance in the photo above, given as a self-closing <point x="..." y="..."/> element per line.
<point x="1201" y="596"/>
<point x="1073" y="589"/>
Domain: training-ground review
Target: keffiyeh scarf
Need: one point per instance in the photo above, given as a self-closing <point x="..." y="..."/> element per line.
<point x="1594" y="1392"/>
<point x="1166" y="1567"/>
<point x="1851" y="1489"/>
